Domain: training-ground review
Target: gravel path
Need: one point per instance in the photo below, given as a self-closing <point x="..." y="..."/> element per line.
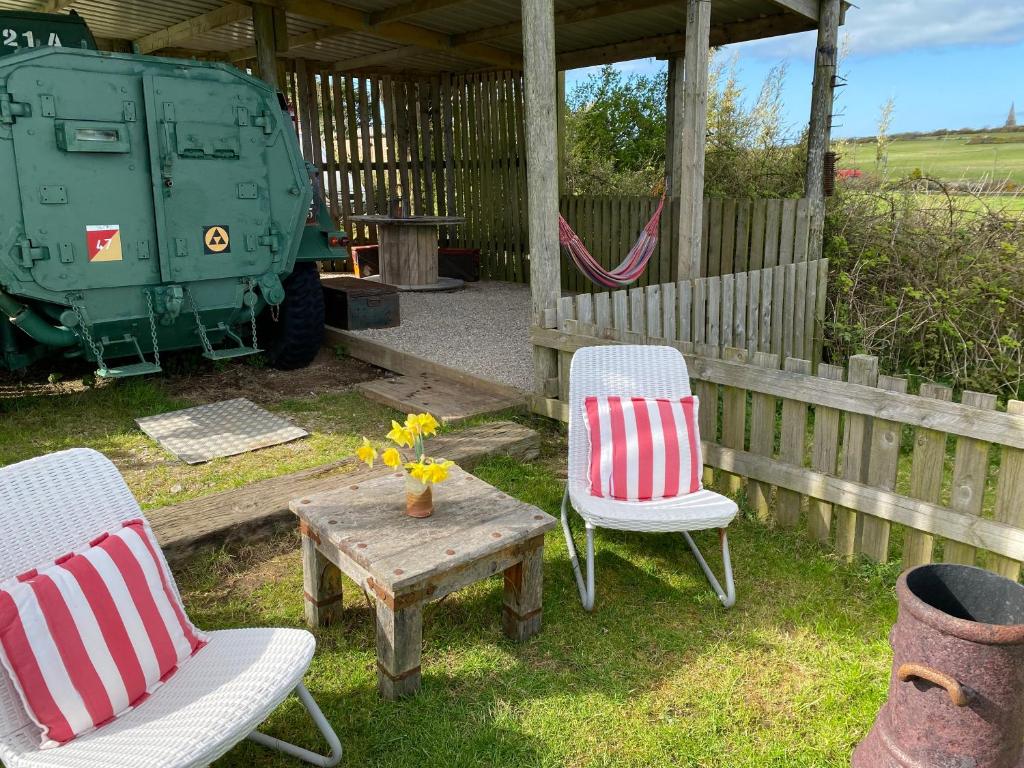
<point x="482" y="329"/>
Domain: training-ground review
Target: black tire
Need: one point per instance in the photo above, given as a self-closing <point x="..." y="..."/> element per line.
<point x="295" y="339"/>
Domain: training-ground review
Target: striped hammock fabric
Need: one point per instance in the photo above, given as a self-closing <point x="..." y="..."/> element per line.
<point x="88" y="637"/>
<point x="630" y="270"/>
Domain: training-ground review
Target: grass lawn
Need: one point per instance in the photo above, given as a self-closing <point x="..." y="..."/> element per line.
<point x="659" y="675"/>
<point x="42" y="419"/>
<point x="950" y="158"/>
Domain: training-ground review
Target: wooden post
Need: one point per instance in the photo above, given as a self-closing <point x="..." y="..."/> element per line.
<point x="321" y="584"/>
<point x="673" y="125"/>
<point x="560" y="95"/>
<point x="542" y="174"/>
<point x="265" y="19"/>
<point x="820" y="128"/>
<point x="399" y="645"/>
<point x="692" y="135"/>
<point x="524" y="587"/>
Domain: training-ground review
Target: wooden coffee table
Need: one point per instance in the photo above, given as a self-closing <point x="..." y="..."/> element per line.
<point x="475" y="532"/>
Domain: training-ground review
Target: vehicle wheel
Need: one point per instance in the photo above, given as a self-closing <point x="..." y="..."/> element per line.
<point x="295" y="339"/>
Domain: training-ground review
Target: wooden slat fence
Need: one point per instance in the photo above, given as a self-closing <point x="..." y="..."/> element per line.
<point x="448" y="145"/>
<point x="739" y="235"/>
<point x="849" y="457"/>
<point x="779" y="310"/>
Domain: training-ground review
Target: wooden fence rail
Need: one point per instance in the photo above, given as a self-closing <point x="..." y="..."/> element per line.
<point x="778" y="310"/>
<point x="738" y="235"/>
<point x="859" y="464"/>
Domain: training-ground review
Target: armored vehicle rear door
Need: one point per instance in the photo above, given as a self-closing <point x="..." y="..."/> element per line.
<point x="212" y="147"/>
<point x="84" y="180"/>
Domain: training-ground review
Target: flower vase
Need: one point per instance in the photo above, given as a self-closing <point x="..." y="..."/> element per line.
<point x="419" y="501"/>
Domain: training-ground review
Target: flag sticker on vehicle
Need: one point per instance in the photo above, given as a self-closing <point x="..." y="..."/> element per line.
<point x="217" y="239"/>
<point x="103" y="242"/>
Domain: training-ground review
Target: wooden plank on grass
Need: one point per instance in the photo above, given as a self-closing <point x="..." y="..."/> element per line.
<point x="1009" y="498"/>
<point x="882" y="467"/>
<point x="970" y="471"/>
<point x="824" y="457"/>
<point x="926" y="478"/>
<point x="791" y="447"/>
<point x="856" y="443"/>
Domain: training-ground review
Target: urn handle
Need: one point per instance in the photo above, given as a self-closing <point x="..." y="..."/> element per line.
<point x="956" y="692"/>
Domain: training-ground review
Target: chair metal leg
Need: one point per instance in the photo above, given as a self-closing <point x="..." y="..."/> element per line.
<point x="728" y="595"/>
<point x="586" y="587"/>
<point x="298" y="752"/>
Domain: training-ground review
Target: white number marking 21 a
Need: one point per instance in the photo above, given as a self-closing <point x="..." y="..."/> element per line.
<point x="10" y="38"/>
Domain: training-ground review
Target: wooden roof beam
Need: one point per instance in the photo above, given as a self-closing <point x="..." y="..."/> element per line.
<point x="666" y="45"/>
<point x="295" y="41"/>
<point x="192" y="28"/>
<point x="375" y="59"/>
<point x="570" y="16"/>
<point x="394" y="31"/>
<point x="806" y="8"/>
<point x="412" y="8"/>
<point x="54" y="6"/>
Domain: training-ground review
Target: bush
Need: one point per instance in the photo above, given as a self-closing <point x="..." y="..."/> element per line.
<point x="932" y="285"/>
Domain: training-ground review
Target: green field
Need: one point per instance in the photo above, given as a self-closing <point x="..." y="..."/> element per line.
<point x="949" y="158"/>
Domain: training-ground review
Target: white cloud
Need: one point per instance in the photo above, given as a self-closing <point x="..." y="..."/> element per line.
<point x="883" y="26"/>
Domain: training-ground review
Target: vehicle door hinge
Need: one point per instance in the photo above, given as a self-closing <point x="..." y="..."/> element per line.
<point x="10" y="109"/>
<point x="31" y="254"/>
<point x="265" y="120"/>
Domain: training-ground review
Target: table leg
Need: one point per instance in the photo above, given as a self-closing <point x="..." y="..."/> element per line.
<point x="524" y="587"/>
<point x="321" y="584"/>
<point x="399" y="642"/>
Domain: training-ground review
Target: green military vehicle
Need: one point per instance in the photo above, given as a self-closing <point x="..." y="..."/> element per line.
<point x="150" y="204"/>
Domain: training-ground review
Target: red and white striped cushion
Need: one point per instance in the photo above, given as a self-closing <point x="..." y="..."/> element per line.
<point x="90" y="636"/>
<point x="643" y="448"/>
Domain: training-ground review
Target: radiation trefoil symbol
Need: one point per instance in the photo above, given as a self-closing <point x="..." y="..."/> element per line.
<point x="217" y="239"/>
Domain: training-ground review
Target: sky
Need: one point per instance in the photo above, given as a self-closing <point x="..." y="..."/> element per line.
<point x="945" y="63"/>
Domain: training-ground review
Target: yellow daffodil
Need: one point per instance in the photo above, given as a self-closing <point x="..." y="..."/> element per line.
<point x="427" y="423"/>
<point x="438" y="471"/>
<point x="391" y="457"/>
<point x="400" y="435"/>
<point x="418" y="470"/>
<point x="412" y="424"/>
<point x="366" y="453"/>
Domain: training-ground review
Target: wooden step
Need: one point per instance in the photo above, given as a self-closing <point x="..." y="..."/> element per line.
<point x="449" y="401"/>
<point x="261" y="508"/>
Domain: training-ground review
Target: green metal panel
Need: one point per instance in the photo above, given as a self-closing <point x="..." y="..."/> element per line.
<point x="138" y="194"/>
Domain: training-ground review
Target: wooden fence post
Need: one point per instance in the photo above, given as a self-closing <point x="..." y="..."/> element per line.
<point x="1010" y="498"/>
<point x="970" y="470"/>
<point x="762" y="436"/>
<point x="926" y="478"/>
<point x="734" y="420"/>
<point x="824" y="457"/>
<point x="856" y="444"/>
<point x="882" y="468"/>
<point x="791" y="447"/>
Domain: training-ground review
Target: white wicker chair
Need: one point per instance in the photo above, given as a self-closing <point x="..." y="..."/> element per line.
<point x="57" y="503"/>
<point x="635" y="371"/>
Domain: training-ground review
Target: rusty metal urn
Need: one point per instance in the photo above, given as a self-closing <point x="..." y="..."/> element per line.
<point x="956" y="696"/>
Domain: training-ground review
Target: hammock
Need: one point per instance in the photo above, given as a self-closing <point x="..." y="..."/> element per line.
<point x="630" y="270"/>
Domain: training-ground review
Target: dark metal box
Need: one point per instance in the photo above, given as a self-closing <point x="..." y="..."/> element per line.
<point x="353" y="304"/>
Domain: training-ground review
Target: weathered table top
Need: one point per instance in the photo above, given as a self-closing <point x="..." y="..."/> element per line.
<point x="408" y="221"/>
<point x="366" y="523"/>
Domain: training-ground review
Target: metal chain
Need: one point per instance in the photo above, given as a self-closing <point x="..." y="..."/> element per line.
<point x="204" y="340"/>
<point x="252" y="312"/>
<point x="152" y="328"/>
<point x="83" y="333"/>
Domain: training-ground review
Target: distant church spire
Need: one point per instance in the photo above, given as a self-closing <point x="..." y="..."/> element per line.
<point x="1011" y="119"/>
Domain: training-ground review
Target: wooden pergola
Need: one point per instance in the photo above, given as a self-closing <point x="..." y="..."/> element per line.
<point x="539" y="38"/>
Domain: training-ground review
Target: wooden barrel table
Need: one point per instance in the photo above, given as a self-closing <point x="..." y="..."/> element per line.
<point x="408" y="250"/>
